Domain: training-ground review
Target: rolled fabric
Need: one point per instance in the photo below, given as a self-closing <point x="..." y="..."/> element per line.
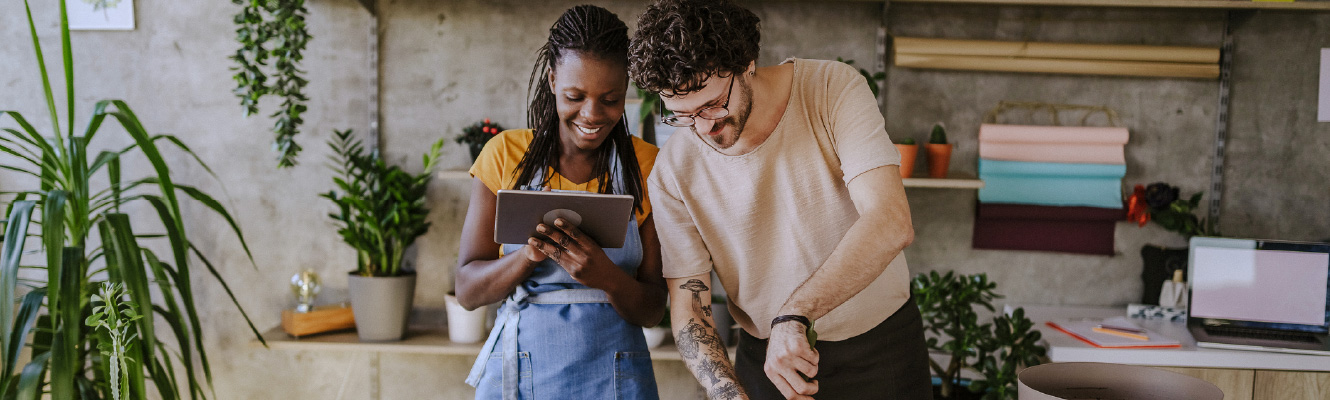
<point x="1081" y="230"/>
<point x="1051" y="184"/>
<point x="1060" y="144"/>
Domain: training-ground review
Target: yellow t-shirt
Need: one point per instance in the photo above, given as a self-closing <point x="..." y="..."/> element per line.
<point x="497" y="164"/>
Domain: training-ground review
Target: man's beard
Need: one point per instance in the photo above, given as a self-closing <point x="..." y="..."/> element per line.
<point x="737" y="120"/>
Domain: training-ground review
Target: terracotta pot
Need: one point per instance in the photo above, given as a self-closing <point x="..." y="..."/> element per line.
<point x="939" y="158"/>
<point x="909" y="152"/>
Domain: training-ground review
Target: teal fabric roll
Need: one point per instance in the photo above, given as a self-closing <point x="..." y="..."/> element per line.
<point x="1026" y="168"/>
<point x="1051" y="184"/>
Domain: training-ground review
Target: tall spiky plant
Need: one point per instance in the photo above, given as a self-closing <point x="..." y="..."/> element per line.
<point x="78" y="201"/>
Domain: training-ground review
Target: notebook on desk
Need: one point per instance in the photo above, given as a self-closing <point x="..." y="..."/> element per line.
<point x="1085" y="331"/>
<point x="1267" y="295"/>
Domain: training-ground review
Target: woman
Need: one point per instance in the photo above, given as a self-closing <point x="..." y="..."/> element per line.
<point x="553" y="335"/>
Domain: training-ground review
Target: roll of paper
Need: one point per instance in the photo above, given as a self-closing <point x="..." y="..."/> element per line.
<point x="1058" y="144"/>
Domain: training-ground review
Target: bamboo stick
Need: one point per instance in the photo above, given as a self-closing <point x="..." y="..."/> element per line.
<point x="1075" y="51"/>
<point x="1059" y="66"/>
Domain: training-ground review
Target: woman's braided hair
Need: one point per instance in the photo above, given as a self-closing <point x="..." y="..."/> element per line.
<point x="589" y="31"/>
<point x="680" y="44"/>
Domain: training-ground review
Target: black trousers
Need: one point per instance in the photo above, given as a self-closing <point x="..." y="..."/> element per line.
<point x="889" y="361"/>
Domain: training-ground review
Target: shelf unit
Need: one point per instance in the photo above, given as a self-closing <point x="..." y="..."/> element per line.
<point x="930" y="183"/>
<point x="417" y="341"/>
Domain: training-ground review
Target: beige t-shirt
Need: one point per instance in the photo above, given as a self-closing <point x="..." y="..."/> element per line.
<point x="764" y="221"/>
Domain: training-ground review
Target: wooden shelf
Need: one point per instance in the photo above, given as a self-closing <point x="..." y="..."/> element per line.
<point x="1216" y="4"/>
<point x="454" y="175"/>
<point x="949" y="183"/>
<point x="417" y="341"/>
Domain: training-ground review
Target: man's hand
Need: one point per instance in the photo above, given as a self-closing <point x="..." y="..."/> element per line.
<point x="788" y="355"/>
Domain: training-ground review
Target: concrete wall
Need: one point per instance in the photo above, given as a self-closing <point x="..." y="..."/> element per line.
<point x="449" y="64"/>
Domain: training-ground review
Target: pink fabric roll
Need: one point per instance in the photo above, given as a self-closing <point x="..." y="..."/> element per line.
<point x="1063" y="144"/>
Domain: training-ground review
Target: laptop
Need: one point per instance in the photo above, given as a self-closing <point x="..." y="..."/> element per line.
<point x="1251" y="294"/>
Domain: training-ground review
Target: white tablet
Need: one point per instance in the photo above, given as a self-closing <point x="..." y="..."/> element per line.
<point x="602" y="217"/>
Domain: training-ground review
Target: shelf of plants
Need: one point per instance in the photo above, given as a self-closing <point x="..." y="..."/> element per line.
<point x="416" y="341"/>
<point x="932" y="183"/>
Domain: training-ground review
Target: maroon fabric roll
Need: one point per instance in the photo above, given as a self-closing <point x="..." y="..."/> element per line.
<point x="1082" y="230"/>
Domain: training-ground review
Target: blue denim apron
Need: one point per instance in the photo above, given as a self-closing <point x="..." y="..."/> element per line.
<point x="555" y="338"/>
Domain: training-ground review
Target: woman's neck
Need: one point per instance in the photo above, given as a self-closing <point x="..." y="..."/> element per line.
<point x="577" y="165"/>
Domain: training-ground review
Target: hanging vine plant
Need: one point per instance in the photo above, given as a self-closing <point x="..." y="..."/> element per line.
<point x="281" y="25"/>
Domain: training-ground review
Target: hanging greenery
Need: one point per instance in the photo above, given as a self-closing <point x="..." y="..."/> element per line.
<point x="281" y="24"/>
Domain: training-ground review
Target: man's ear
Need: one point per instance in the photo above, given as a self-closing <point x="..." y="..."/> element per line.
<point x="752" y="67"/>
<point x="551" y="80"/>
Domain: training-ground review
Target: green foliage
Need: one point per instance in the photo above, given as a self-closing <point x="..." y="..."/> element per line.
<point x="651" y="106"/>
<point x="114" y="315"/>
<point x="281" y="24"/>
<point x="872" y="79"/>
<point x="479" y="133"/>
<point x="382" y="209"/>
<point x="906" y="141"/>
<point x="938" y="136"/>
<point x="78" y="202"/>
<point x="996" y="350"/>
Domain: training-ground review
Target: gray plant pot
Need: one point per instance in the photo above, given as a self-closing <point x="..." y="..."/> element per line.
<point x="381" y="305"/>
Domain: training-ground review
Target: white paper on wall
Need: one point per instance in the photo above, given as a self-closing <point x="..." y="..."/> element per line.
<point x="1323" y="109"/>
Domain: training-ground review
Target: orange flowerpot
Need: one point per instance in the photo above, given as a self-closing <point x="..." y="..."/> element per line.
<point x="909" y="152"/>
<point x="939" y="158"/>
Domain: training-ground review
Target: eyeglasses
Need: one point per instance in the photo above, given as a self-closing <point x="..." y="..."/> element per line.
<point x="709" y="113"/>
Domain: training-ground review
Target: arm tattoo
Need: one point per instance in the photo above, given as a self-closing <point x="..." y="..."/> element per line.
<point x="696" y="286"/>
<point x="703" y="351"/>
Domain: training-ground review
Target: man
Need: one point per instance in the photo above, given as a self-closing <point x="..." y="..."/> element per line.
<point x="783" y="181"/>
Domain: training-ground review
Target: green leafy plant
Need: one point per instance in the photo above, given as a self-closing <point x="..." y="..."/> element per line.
<point x="78" y="204"/>
<point x="872" y="78"/>
<point x="281" y="24"/>
<point x="381" y="209"/>
<point x="114" y="316"/>
<point x="938" y="136"/>
<point x="479" y="133"/>
<point x="996" y="350"/>
<point x="906" y="141"/>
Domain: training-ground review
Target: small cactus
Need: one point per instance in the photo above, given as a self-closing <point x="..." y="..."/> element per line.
<point x="939" y="135"/>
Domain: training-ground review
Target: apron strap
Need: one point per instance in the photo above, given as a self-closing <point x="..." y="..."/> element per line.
<point x="506" y="326"/>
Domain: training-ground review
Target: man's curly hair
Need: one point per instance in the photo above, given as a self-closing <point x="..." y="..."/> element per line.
<point x="680" y="44"/>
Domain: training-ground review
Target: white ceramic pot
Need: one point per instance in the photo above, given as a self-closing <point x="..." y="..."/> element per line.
<point x="656" y="336"/>
<point x="465" y="326"/>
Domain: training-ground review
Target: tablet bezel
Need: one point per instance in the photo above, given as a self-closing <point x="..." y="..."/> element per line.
<point x="604" y="216"/>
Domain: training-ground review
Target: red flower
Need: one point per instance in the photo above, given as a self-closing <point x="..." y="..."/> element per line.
<point x="487" y="121"/>
<point x="1137" y="209"/>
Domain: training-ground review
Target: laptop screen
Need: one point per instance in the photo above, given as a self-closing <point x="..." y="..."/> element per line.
<point x="1261" y="283"/>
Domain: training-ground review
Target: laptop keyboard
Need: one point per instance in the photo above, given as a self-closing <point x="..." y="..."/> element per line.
<point x="1261" y="334"/>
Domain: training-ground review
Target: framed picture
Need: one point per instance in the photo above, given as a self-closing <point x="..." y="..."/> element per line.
<point x="86" y="15"/>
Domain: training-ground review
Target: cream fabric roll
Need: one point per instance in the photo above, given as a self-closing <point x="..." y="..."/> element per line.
<point x="1061" y="144"/>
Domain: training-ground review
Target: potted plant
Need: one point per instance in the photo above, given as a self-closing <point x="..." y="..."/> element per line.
<point x="380" y="212"/>
<point x="1160" y="202"/>
<point x="939" y="152"/>
<point x="996" y="350"/>
<point x="909" y="153"/>
<point x="656" y="335"/>
<point x="476" y="135"/>
<point x="88" y="242"/>
<point x="653" y="131"/>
